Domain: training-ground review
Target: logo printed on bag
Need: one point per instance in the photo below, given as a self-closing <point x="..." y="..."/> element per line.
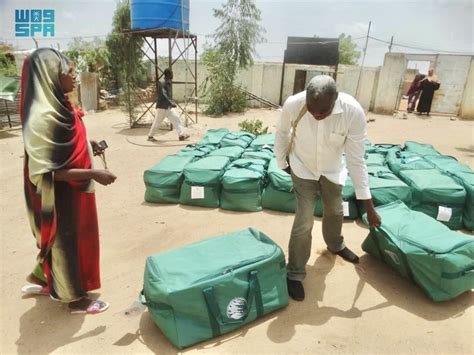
<point x="394" y="256"/>
<point x="237" y="308"/>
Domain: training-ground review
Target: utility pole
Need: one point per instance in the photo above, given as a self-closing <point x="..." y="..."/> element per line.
<point x="390" y="46"/>
<point x="363" y="61"/>
<point x="36" y="42"/>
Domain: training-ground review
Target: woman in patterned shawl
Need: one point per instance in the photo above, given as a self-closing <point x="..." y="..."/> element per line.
<point x="59" y="184"/>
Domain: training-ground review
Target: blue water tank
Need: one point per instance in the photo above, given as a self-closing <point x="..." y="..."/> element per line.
<point x="152" y="14"/>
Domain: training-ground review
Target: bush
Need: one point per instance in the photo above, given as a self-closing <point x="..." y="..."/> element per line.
<point x="253" y="126"/>
<point x="220" y="92"/>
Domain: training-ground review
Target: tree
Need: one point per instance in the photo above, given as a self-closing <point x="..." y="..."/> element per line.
<point x="7" y="64"/>
<point x="347" y="50"/>
<point x="88" y="56"/>
<point x="233" y="50"/>
<point x="124" y="54"/>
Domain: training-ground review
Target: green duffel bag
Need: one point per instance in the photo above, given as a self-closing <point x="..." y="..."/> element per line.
<point x="423" y="250"/>
<point x="241" y="139"/>
<point x="261" y="153"/>
<point x="383" y="149"/>
<point x="466" y="179"/>
<point x="163" y="181"/>
<point x="242" y="186"/>
<point x="385" y="187"/>
<point x="402" y="160"/>
<point x="349" y="204"/>
<point x="278" y="194"/>
<point x="214" y="136"/>
<point x="420" y="148"/>
<point x="231" y="152"/>
<point x="196" y="150"/>
<point x="264" y="140"/>
<point x="446" y="163"/>
<point x="215" y="286"/>
<point x="369" y="147"/>
<point x="436" y="194"/>
<point x="202" y="178"/>
<point x="374" y="159"/>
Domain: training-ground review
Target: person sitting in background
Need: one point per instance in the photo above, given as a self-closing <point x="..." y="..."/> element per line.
<point x="165" y="107"/>
<point x="59" y="180"/>
<point x="428" y="86"/>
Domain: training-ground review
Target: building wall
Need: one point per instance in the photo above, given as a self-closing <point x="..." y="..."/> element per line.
<point x="467" y="104"/>
<point x="380" y="88"/>
<point x="452" y="72"/>
<point x="390" y="80"/>
<point x="264" y="80"/>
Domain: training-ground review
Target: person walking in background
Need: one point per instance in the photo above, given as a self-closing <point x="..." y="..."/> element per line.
<point x="165" y="107"/>
<point x="315" y="128"/>
<point x="414" y="92"/>
<point x="59" y="177"/>
<point x="428" y="86"/>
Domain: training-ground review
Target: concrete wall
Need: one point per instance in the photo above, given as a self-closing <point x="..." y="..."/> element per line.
<point x="264" y="80"/>
<point x="89" y="91"/>
<point x="452" y="72"/>
<point x="391" y="77"/>
<point x="467" y="104"/>
<point x="380" y="88"/>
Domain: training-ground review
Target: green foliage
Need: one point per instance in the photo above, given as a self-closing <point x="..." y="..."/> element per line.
<point x="239" y="31"/>
<point x="7" y="64"/>
<point x="88" y="56"/>
<point x="124" y="53"/>
<point x="253" y="126"/>
<point x="233" y="50"/>
<point x="222" y="95"/>
<point x="347" y="50"/>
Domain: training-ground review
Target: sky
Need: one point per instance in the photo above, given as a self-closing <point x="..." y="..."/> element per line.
<point x="443" y="26"/>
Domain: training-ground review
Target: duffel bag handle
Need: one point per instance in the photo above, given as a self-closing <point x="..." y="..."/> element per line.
<point x="254" y="292"/>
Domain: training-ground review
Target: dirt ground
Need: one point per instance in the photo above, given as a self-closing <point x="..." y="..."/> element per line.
<point x="348" y="309"/>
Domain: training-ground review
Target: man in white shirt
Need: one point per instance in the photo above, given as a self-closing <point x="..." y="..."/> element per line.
<point x="315" y="128"/>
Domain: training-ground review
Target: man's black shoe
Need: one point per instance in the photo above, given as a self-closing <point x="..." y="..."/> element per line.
<point x="348" y="255"/>
<point x="295" y="289"/>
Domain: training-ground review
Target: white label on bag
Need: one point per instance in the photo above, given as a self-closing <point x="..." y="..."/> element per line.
<point x="345" y="208"/>
<point x="197" y="192"/>
<point x="444" y="214"/>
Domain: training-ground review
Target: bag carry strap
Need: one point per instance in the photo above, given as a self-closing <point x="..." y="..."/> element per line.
<point x="294" y="124"/>
<point x="215" y="317"/>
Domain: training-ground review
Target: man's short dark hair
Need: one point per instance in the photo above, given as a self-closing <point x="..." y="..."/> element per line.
<point x="168" y="72"/>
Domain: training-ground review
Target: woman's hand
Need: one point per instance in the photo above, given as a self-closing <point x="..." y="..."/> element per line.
<point x="103" y="177"/>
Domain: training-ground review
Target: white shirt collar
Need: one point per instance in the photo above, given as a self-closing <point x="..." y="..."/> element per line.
<point x="337" y="106"/>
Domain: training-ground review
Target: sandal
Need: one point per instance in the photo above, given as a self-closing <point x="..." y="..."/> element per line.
<point x="95" y="307"/>
<point x="33" y="289"/>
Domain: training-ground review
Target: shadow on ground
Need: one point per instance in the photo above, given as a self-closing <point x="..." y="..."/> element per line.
<point x="48" y="326"/>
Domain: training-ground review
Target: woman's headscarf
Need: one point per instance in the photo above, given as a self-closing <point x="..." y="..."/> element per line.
<point x="51" y="136"/>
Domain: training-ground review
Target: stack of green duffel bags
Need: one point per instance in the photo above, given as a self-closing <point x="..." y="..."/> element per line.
<point x="433" y="192"/>
<point x="439" y="184"/>
<point x="238" y="171"/>
<point x="225" y="169"/>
